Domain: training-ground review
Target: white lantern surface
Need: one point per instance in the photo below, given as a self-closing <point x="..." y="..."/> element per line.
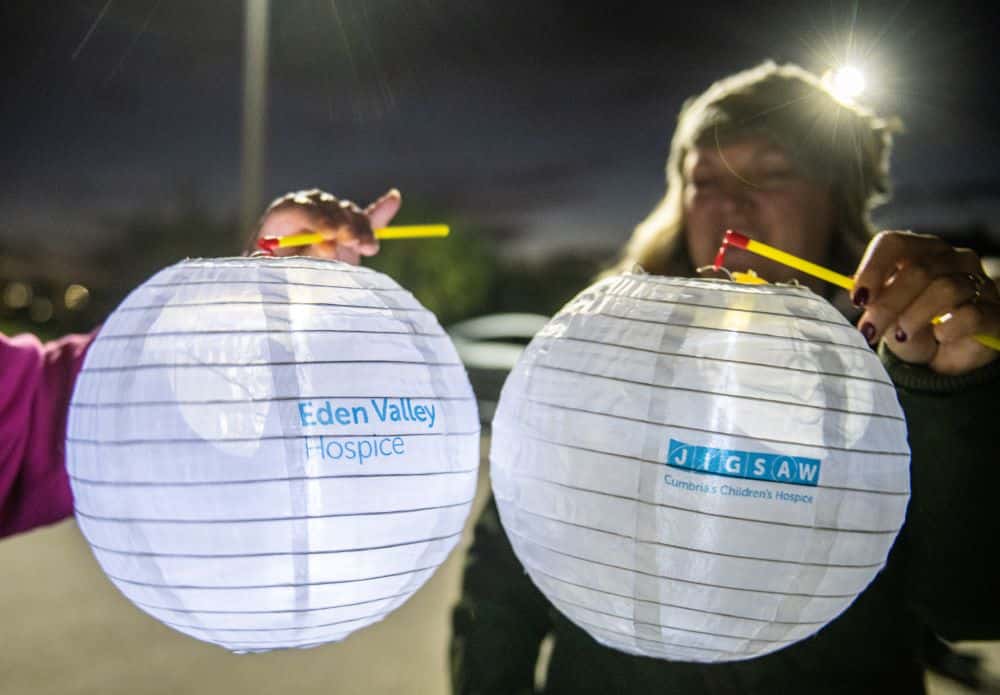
<point x="271" y="452"/>
<point x="699" y="470"/>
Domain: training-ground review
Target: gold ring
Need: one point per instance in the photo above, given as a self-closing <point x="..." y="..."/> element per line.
<point x="978" y="282"/>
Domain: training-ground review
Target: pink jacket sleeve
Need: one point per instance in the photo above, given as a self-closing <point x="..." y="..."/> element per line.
<point x="36" y="383"/>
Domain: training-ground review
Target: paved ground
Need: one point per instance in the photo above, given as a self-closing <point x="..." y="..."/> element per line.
<point x="65" y="630"/>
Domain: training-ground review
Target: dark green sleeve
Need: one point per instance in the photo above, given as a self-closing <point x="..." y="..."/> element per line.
<point x="952" y="530"/>
<point x="500" y="620"/>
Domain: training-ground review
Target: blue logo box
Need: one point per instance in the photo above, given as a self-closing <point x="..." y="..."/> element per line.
<point x="775" y="468"/>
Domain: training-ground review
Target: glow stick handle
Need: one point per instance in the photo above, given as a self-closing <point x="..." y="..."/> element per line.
<point x="413" y="231"/>
<point x="988" y="340"/>
<point x="740" y="241"/>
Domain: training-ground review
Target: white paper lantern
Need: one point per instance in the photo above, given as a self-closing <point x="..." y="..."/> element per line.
<point x="270" y="453"/>
<point x="699" y="470"/>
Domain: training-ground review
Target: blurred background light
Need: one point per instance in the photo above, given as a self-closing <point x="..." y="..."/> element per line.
<point x="17" y="295"/>
<point x="76" y="297"/>
<point x="41" y="310"/>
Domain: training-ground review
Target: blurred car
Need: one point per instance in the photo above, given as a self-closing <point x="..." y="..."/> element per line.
<point x="489" y="347"/>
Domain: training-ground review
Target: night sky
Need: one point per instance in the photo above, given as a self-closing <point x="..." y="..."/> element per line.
<point x="550" y="120"/>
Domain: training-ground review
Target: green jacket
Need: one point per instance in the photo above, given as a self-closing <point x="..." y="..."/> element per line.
<point x="939" y="577"/>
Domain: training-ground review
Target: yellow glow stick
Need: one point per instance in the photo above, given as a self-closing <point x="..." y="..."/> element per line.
<point x="413" y="231"/>
<point x="416" y="231"/>
<point x="740" y="241"/>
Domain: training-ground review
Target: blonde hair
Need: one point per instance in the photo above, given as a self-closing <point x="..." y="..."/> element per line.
<point x="839" y="143"/>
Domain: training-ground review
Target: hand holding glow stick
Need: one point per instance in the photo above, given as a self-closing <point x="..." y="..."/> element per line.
<point x="270" y="243"/>
<point x="741" y="241"/>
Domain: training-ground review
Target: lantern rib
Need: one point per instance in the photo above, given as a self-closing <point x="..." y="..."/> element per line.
<point x="252" y="481"/>
<point x="198" y="440"/>
<point x="535" y="569"/>
<point x="283" y="283"/>
<point x="663" y="505"/>
<point x="724" y="434"/>
<point x="688" y="389"/>
<point x="254" y="520"/>
<point x="691" y="549"/>
<point x="758" y="312"/>
<point x="672" y="578"/>
<point x="567" y="602"/>
<point x="263" y="612"/>
<point x="658" y="322"/>
<point x="273" y="399"/>
<point x="263" y="331"/>
<point x="258" y="647"/>
<point x="724" y="360"/>
<point x="768" y="290"/>
<point x="318" y="265"/>
<point x="287" y="585"/>
<point x="676" y="645"/>
<point x="235" y="556"/>
<point x="229" y="365"/>
<point x="265" y="302"/>
<point x="294" y="628"/>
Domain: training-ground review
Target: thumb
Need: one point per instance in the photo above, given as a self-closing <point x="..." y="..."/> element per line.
<point x="381" y="212"/>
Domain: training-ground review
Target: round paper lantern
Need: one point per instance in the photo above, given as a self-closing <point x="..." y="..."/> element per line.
<point x="271" y="452"/>
<point x="699" y="470"/>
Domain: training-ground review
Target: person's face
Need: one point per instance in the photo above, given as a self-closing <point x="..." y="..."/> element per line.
<point x="295" y="220"/>
<point x="751" y="186"/>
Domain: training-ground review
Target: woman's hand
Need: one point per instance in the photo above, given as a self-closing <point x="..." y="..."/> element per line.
<point x="349" y="234"/>
<point x="905" y="280"/>
<point x="355" y="237"/>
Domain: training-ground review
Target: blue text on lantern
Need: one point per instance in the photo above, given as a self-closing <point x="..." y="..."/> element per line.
<point x="752" y="465"/>
<point x="317" y="413"/>
<point x="358" y="449"/>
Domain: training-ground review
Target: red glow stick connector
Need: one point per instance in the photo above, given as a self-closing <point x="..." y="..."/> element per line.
<point x="736" y="239"/>
<point x="268" y="243"/>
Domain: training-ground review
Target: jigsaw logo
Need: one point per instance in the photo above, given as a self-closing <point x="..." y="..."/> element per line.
<point x="751" y="465"/>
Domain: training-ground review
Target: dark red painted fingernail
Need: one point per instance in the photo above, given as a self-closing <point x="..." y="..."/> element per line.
<point x="900" y="335"/>
<point x="860" y="297"/>
<point x="868" y="331"/>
